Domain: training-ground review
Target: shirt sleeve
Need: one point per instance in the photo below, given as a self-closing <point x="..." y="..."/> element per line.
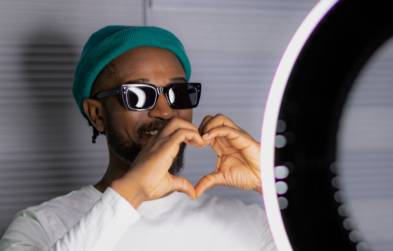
<point x="99" y="229"/>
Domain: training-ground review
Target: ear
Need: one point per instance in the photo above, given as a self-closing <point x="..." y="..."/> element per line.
<point x="93" y="110"/>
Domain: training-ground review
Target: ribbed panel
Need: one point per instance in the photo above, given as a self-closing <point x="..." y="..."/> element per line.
<point x="266" y="34"/>
<point x="234" y="53"/>
<point x="64" y="22"/>
<point x="233" y="6"/>
<point x="366" y="147"/>
<point x="45" y="144"/>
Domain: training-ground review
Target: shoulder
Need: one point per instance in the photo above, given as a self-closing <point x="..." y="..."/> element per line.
<point x="65" y="211"/>
<point x="53" y="217"/>
<point x="73" y="203"/>
<point x="40" y="225"/>
<point x="79" y="200"/>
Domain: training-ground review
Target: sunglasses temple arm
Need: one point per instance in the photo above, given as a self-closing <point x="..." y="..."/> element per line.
<point x="108" y="93"/>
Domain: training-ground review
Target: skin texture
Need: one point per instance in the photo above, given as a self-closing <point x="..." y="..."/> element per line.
<point x="147" y="177"/>
<point x="237" y="156"/>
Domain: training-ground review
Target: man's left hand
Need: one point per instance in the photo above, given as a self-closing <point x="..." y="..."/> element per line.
<point x="237" y="156"/>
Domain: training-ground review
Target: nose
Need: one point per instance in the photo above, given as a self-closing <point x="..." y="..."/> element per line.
<point x="162" y="110"/>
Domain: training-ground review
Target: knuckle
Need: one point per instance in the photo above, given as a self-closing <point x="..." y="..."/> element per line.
<point x="210" y="177"/>
<point x="183" y="183"/>
<point x="182" y="131"/>
<point x="219" y="115"/>
<point x="177" y="133"/>
<point x="194" y="127"/>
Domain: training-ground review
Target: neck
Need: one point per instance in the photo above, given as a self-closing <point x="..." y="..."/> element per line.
<point x="117" y="168"/>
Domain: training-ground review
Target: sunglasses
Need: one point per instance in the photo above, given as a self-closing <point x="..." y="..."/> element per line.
<point x="143" y="97"/>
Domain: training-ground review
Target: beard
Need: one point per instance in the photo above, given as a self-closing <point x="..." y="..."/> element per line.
<point x="130" y="150"/>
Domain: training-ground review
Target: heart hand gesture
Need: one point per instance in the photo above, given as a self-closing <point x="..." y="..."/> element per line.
<point x="237" y="156"/>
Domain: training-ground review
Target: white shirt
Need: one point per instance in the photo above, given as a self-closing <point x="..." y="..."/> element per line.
<point x="89" y="220"/>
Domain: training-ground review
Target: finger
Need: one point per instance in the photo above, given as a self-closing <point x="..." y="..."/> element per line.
<point x="203" y="123"/>
<point x="162" y="151"/>
<point x="172" y="142"/>
<point x="217" y="121"/>
<point x="196" y="144"/>
<point x="176" y="124"/>
<point x="238" y="139"/>
<point x="184" y="186"/>
<point x="207" y="182"/>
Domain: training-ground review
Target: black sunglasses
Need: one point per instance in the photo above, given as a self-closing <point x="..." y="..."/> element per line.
<point x="143" y="97"/>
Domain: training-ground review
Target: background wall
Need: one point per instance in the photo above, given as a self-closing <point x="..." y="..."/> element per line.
<point x="234" y="47"/>
<point x="45" y="144"/>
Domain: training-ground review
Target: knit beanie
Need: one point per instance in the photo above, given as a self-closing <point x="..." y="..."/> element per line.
<point x="112" y="41"/>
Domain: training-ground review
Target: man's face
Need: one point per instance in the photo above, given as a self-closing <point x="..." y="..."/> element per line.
<point x="128" y="131"/>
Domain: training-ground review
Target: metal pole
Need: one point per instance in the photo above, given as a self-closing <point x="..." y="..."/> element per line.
<point x="146" y="5"/>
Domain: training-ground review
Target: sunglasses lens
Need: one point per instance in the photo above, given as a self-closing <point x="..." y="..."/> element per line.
<point x="183" y="96"/>
<point x="141" y="97"/>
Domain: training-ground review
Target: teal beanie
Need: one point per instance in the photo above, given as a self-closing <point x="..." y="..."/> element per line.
<point x="112" y="41"/>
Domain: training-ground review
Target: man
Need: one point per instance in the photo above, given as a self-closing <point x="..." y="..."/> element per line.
<point x="140" y="203"/>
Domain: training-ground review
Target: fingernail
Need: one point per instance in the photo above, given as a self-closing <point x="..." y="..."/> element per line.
<point x="205" y="135"/>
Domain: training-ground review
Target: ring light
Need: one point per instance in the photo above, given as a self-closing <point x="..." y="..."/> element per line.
<point x="301" y="119"/>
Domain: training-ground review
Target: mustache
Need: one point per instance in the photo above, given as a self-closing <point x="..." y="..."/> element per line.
<point x="152" y="126"/>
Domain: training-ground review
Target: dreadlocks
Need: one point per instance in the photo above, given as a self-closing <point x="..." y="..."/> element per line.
<point x="106" y="73"/>
<point x="96" y="133"/>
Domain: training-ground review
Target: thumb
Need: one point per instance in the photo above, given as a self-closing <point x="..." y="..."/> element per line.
<point x="182" y="185"/>
<point x="207" y="182"/>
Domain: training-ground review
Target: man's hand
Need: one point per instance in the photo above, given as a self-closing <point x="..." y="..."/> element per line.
<point x="148" y="178"/>
<point x="237" y="156"/>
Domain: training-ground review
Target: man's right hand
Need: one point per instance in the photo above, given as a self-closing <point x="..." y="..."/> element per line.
<point x="148" y="177"/>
